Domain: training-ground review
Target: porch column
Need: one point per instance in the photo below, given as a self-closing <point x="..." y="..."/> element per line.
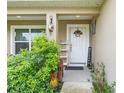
<point x="52" y="35"/>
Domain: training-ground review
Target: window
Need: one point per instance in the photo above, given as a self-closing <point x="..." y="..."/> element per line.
<point x="22" y="37"/>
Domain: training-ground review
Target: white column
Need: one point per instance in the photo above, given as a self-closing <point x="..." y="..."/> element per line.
<point x="52" y="35"/>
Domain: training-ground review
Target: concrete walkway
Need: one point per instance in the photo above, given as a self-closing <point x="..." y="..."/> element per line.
<point x="77" y="81"/>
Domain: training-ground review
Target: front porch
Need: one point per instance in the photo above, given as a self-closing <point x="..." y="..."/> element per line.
<point x="63" y="24"/>
<point x="64" y="27"/>
<point x="77" y="81"/>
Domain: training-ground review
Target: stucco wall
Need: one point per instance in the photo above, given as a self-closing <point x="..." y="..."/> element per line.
<point x="21" y="22"/>
<point x="104" y="41"/>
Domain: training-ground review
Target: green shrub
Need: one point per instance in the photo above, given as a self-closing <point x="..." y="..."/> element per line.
<point x="99" y="81"/>
<point x="29" y="71"/>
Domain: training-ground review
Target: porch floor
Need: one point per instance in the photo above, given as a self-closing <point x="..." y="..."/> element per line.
<point x="77" y="81"/>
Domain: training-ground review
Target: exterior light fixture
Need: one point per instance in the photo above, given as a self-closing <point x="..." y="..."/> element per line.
<point x="78" y="33"/>
<point x="18" y="16"/>
<point x="51" y="26"/>
<point x="77" y="16"/>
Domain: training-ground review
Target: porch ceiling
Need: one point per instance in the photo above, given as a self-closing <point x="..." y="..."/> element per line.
<point x="26" y="17"/>
<point x="55" y="3"/>
<point x="43" y="17"/>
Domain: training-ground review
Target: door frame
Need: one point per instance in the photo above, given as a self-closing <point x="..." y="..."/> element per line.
<point x="87" y="39"/>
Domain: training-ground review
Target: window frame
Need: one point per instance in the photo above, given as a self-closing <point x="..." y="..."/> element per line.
<point x="12" y="34"/>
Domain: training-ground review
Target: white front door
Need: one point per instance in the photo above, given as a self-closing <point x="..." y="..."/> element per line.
<point x="79" y="43"/>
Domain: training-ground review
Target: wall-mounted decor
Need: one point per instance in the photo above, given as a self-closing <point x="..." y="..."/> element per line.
<point x="51" y="26"/>
<point x="78" y="33"/>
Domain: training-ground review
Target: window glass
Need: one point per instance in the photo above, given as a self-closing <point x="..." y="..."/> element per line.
<point x="20" y="45"/>
<point x="21" y="34"/>
<point x="24" y="37"/>
<point x="36" y="32"/>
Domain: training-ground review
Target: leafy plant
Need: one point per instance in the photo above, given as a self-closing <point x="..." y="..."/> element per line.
<point x="29" y="71"/>
<point x="99" y="80"/>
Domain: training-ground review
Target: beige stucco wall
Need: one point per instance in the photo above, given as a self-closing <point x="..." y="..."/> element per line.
<point x="62" y="24"/>
<point x="104" y="41"/>
<point x="21" y="22"/>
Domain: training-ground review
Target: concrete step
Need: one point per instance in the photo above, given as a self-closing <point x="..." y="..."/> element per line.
<point x="77" y="87"/>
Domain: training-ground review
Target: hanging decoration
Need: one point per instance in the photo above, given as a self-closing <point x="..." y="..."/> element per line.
<point x="51" y="26"/>
<point x="78" y="33"/>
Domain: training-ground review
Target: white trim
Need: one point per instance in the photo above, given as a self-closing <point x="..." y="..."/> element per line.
<point x="87" y="39"/>
<point x="21" y="41"/>
<point x="12" y="37"/>
<point x="30" y="40"/>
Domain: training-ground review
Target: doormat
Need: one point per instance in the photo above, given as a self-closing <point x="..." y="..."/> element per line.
<point x="74" y="68"/>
